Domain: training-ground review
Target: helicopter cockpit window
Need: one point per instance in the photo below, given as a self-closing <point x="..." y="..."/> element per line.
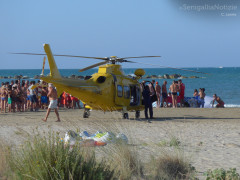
<point x="126" y="92"/>
<point x="119" y="91"/>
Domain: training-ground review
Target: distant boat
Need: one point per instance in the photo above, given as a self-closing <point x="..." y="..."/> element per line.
<point x="220" y="67"/>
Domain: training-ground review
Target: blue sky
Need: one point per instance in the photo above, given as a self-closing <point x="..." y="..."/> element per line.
<point x="116" y="28"/>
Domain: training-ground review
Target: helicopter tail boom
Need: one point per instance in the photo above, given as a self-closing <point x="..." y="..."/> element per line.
<point x="54" y="72"/>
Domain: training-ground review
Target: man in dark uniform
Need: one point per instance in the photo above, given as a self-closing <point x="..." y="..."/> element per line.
<point x="147" y="102"/>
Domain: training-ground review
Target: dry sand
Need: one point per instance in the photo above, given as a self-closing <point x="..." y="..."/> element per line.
<point x="209" y="137"/>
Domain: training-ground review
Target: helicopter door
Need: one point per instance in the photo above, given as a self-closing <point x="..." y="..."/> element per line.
<point x="135" y="95"/>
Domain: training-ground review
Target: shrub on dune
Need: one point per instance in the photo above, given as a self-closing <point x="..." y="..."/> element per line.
<point x="48" y="158"/>
<point x="171" y="166"/>
<point x="4" y="154"/>
<point x="126" y="161"/>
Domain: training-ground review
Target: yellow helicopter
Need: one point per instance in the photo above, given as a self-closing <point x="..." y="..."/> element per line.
<point x="108" y="89"/>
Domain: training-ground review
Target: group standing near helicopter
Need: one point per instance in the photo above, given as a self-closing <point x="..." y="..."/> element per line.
<point x="108" y="89"/>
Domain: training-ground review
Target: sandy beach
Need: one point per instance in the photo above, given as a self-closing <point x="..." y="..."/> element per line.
<point x="210" y="138"/>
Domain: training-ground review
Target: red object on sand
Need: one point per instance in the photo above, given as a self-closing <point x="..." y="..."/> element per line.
<point x="99" y="143"/>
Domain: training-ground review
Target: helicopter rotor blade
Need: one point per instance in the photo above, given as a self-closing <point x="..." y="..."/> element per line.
<point x="30" y="54"/>
<point x="92" y="66"/>
<point x="123" y="60"/>
<point x="139" y="57"/>
<point x="171" y="68"/>
<point x="105" y="58"/>
<point x="100" y="58"/>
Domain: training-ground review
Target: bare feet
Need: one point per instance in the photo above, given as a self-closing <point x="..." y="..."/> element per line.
<point x="58" y="120"/>
<point x="44" y="120"/>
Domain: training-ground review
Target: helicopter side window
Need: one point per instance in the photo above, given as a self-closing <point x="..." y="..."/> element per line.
<point x="119" y="91"/>
<point x="126" y="92"/>
<point x="101" y="79"/>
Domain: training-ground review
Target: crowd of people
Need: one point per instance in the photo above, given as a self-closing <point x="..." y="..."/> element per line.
<point x="152" y="91"/>
<point x="164" y="98"/>
<point x="21" y="96"/>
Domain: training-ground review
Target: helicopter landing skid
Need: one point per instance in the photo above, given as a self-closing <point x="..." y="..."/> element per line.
<point x="137" y="114"/>
<point x="86" y="113"/>
<point x="125" y="113"/>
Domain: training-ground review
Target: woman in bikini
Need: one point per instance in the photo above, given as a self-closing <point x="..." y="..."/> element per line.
<point x="3" y="98"/>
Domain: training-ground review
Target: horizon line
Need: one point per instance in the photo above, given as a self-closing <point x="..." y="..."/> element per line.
<point x="132" y="68"/>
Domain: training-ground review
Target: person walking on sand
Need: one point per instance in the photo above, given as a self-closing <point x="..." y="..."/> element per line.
<point x="53" y="99"/>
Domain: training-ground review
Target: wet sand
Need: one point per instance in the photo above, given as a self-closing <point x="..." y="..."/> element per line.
<point x="209" y="137"/>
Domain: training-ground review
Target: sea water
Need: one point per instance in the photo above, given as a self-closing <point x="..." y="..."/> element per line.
<point x="225" y="82"/>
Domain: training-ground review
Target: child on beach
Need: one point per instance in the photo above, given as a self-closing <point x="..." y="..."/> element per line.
<point x="9" y="92"/>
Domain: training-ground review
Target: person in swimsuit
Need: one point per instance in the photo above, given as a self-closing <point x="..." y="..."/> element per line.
<point x="202" y="96"/>
<point x="14" y="97"/>
<point x="164" y="94"/>
<point x="158" y="93"/>
<point x="44" y="99"/>
<point x="53" y="98"/>
<point x="2" y="84"/>
<point x="75" y="102"/>
<point x="174" y="89"/>
<point x="3" y="98"/>
<point x="182" y="92"/>
<point x="24" y="96"/>
<point x="9" y="92"/>
<point x="19" y="95"/>
<point x="195" y="93"/>
<point x="33" y="97"/>
<point x="39" y="92"/>
<point x="219" y="101"/>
